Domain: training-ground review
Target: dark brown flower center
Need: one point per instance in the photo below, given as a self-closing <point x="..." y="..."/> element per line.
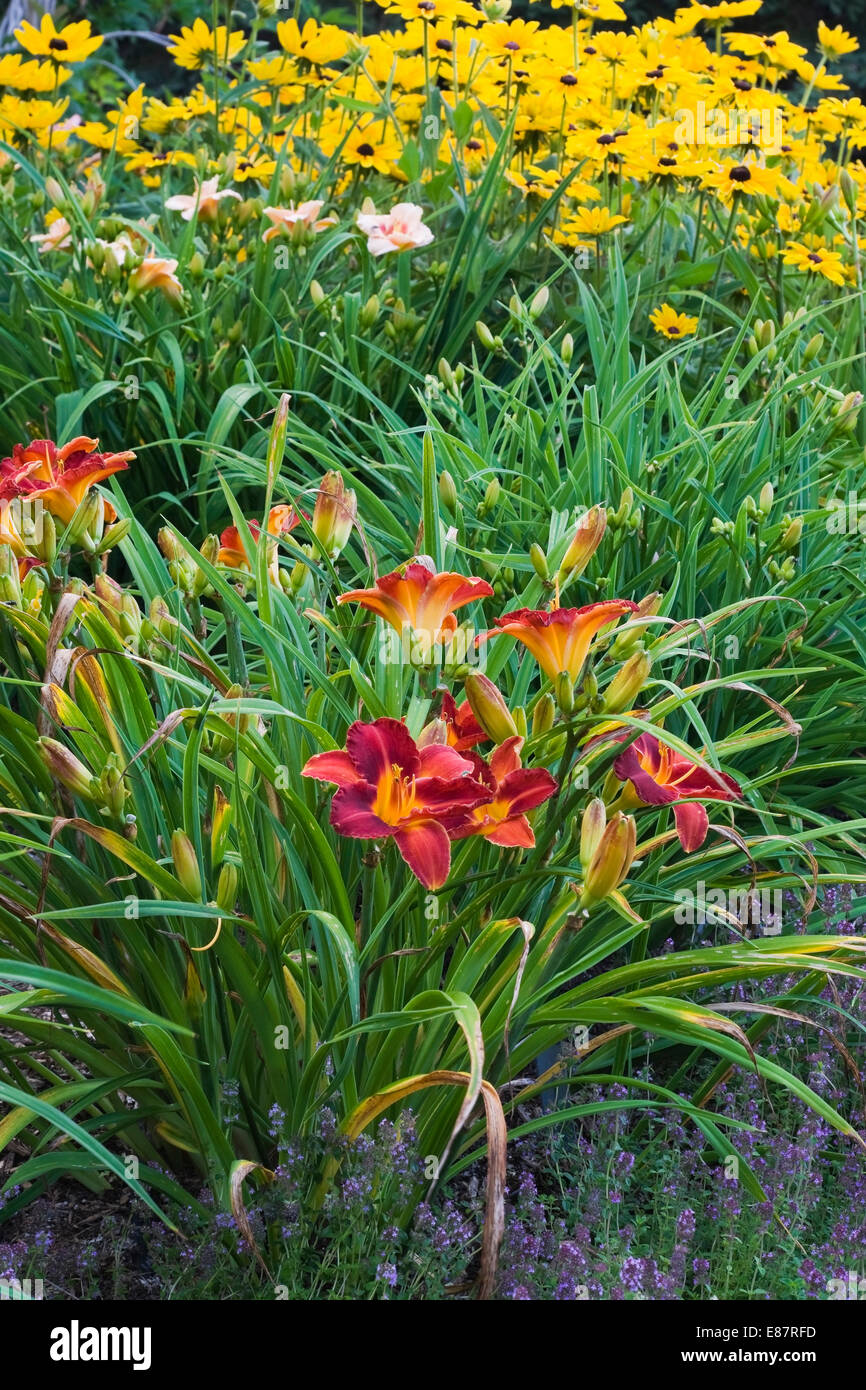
<point x="366" y="151"/>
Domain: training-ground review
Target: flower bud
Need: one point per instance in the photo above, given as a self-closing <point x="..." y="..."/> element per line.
<point x="566" y="350"/>
<point x="447" y="491"/>
<point x="539" y="561"/>
<point x="791" y="537"/>
<point x="627" y="683"/>
<point x="584" y="543"/>
<point x="813" y="347"/>
<point x="564" y="689"/>
<point x="765" y="498"/>
<point x="67" y="769"/>
<point x="592" y="827"/>
<point x="186" y="863"/>
<point x="543" y="715"/>
<point x="612" y="859"/>
<point x="227" y="888"/>
<point x="485" y="337"/>
<point x="489" y="707"/>
<point x="334" y="514"/>
<point x="538" y="303"/>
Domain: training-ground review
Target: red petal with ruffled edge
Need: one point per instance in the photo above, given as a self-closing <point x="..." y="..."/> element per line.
<point x="527" y="788"/>
<point x="427" y="850"/>
<point x="442" y="760"/>
<point x="628" y="769"/>
<point x="514" y="833"/>
<point x="692" y="825"/>
<point x="336" y="767"/>
<point x="378" y="747"/>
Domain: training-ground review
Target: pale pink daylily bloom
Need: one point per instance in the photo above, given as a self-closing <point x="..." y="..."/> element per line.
<point x="57" y="238"/>
<point x="305" y="214"/>
<point x="397" y="230"/>
<point x="206" y="198"/>
<point x="157" y="273"/>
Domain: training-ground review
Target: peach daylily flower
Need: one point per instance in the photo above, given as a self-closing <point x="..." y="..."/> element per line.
<point x="306" y="215"/>
<point x="157" y="273"/>
<point x="401" y="229"/>
<point x="57" y="238"/>
<point x="206" y="199"/>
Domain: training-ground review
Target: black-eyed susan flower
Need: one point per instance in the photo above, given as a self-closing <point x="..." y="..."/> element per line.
<point x="199" y="46"/>
<point x="835" y="43"/>
<point x="71" y="44"/>
<point x="817" y="260"/>
<point x="670" y="324"/>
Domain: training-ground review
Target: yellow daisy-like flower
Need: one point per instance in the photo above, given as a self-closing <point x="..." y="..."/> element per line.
<point x="194" y="48"/>
<point x="731" y="9"/>
<point x="593" y="222"/>
<point x="749" y="179"/>
<point x="670" y="324"/>
<point x="32" y="76"/>
<point x="71" y="44"/>
<point x="835" y="43"/>
<point x="816" y="260"/>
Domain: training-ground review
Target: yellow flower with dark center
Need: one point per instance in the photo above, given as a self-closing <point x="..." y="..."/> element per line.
<point x="71" y="44"/>
<point x="817" y="260"/>
<point x="593" y="222"/>
<point x="200" y="46"/>
<point x="670" y="324"/>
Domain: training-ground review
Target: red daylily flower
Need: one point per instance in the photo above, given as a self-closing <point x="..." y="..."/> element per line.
<point x="514" y="790"/>
<point x="281" y="520"/>
<point x="658" y="776"/>
<point x="389" y="788"/>
<point x="462" y="729"/>
<point x="560" y="638"/>
<point x="59" y="477"/>
<point x="418" y="598"/>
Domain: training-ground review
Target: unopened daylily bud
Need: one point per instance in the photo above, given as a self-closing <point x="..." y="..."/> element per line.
<point x="447" y="491"/>
<point x="85" y="528"/>
<point x="539" y="561"/>
<point x="538" y="303"/>
<point x="485" y="337"/>
<point x="221" y="817"/>
<point x="489" y="707"/>
<point x="626" y="642"/>
<point x="765" y="498"/>
<point x="446" y="375"/>
<point x="584" y="543"/>
<point x="491" y="495"/>
<point x="113" y="790"/>
<point x="847" y="412"/>
<point x="566" y="350"/>
<point x="67" y="769"/>
<point x="619" y="517"/>
<point x="592" y="827"/>
<point x="115" y="534"/>
<point x="813" y="347"/>
<point x="334" y="514"/>
<point x="627" y="684"/>
<point x="185" y="863"/>
<point x="317" y="294"/>
<point x="520" y="721"/>
<point x="369" y="312"/>
<point x="227" y="888"/>
<point x="791" y="537"/>
<point x="564" y="688"/>
<point x="543" y="714"/>
<point x="612" y="859"/>
<point x="10" y="584"/>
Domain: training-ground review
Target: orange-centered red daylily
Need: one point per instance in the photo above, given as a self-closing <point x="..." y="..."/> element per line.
<point x="560" y="638"/>
<point x="389" y="788"/>
<point x="59" y="477"/>
<point x="656" y="775"/>
<point x="418" y="598"/>
<point x="281" y="520"/>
